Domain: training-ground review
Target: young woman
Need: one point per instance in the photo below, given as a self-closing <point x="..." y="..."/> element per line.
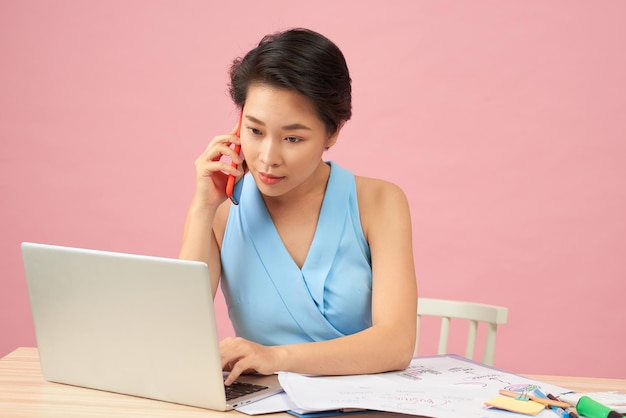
<point x="316" y="264"/>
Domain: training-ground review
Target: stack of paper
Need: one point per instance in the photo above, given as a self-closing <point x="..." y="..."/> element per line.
<point x="439" y="387"/>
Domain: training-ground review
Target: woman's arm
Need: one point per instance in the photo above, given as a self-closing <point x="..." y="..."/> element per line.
<point x="389" y="343"/>
<point x="199" y="242"/>
<point x="209" y="207"/>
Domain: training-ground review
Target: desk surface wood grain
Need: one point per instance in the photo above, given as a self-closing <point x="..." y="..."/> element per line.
<point x="25" y="394"/>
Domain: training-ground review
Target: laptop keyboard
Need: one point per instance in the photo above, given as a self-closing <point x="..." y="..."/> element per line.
<point x="237" y="389"/>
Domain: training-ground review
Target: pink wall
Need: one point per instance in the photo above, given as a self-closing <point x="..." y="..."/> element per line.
<point x="503" y="121"/>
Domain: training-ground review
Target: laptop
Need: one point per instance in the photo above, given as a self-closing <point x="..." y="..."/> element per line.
<point x="131" y="324"/>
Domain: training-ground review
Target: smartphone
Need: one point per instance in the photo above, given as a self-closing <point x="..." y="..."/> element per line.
<point x="230" y="183"/>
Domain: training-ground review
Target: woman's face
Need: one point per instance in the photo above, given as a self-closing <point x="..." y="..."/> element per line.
<point x="282" y="140"/>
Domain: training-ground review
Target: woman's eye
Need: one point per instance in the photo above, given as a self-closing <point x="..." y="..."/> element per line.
<point x="293" y="139"/>
<point x="255" y="131"/>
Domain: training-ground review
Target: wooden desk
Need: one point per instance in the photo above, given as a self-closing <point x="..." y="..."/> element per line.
<point x="25" y="394"/>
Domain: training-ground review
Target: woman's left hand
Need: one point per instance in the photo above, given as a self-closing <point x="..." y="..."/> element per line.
<point x="241" y="356"/>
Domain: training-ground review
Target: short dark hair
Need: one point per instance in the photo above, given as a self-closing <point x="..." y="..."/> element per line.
<point x="301" y="60"/>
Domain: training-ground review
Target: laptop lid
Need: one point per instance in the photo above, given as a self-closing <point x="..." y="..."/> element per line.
<point x="131" y="324"/>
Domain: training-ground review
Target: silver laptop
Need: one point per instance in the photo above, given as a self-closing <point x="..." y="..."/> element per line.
<point x="131" y="324"/>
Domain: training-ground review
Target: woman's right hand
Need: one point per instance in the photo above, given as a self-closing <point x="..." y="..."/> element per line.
<point x="212" y="170"/>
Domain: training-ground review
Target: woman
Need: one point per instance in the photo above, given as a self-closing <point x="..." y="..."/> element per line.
<point x="316" y="264"/>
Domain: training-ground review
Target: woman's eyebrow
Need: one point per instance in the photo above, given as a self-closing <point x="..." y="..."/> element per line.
<point x="295" y="126"/>
<point x="290" y="127"/>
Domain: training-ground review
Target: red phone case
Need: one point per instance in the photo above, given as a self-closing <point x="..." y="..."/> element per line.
<point x="230" y="183"/>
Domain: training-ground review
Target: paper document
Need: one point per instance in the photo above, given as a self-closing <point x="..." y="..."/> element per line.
<point x="440" y="387"/>
<point x="276" y="403"/>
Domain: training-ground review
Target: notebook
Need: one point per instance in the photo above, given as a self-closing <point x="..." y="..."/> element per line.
<point x="130" y="324"/>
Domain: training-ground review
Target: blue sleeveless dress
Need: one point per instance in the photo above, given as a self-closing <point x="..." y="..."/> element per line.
<point x="271" y="300"/>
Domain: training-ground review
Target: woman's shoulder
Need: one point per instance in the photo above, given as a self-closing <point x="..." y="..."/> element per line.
<point x="371" y="191"/>
<point x="379" y="201"/>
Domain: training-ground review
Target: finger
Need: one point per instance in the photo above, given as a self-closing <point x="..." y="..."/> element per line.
<point x="237" y="370"/>
<point x="231" y="354"/>
<point x="218" y="171"/>
<point x="213" y="161"/>
<point x="232" y="376"/>
<point x="215" y="151"/>
<point x="227" y="139"/>
<point x="231" y="366"/>
<point x="235" y="129"/>
<point x="227" y="355"/>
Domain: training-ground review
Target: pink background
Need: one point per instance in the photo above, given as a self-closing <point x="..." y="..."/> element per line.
<point x="503" y="121"/>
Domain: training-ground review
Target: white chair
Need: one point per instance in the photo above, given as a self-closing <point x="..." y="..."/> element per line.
<point x="474" y="312"/>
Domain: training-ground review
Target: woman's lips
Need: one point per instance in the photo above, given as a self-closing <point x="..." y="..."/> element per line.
<point x="269" y="179"/>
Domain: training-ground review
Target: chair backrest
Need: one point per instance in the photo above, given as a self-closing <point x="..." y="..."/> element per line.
<point x="474" y="313"/>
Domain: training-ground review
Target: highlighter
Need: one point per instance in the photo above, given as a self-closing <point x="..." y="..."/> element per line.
<point x="591" y="409"/>
<point x="230" y="183"/>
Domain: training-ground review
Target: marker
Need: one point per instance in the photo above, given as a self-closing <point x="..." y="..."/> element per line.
<point x="592" y="409"/>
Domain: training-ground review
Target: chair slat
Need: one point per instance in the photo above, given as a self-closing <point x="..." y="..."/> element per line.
<point x="475" y="313"/>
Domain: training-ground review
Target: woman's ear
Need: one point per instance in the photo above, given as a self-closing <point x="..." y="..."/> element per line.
<point x="332" y="140"/>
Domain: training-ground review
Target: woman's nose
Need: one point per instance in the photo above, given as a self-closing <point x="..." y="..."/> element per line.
<point x="270" y="152"/>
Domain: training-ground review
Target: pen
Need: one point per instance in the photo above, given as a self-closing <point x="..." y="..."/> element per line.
<point x="558" y="410"/>
<point x="562" y="412"/>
